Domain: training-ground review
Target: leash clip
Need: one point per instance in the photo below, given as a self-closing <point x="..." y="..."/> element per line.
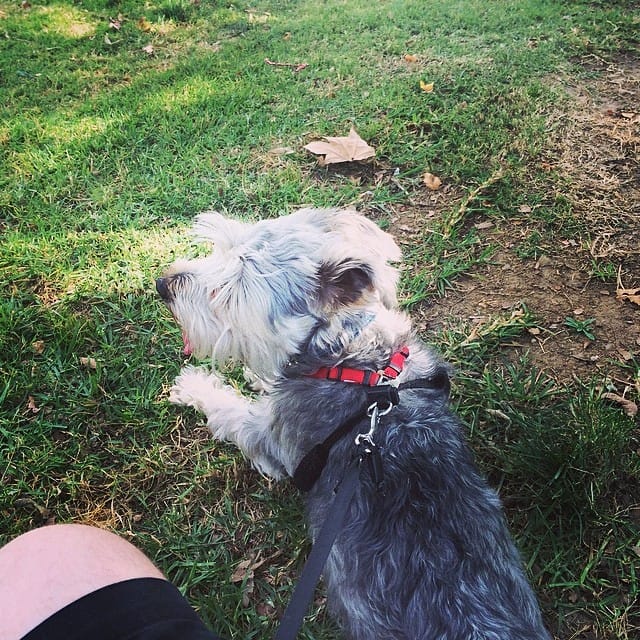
<point x="369" y="451"/>
<point x="374" y="413"/>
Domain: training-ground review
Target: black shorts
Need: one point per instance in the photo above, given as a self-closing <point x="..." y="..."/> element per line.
<point x="139" y="609"/>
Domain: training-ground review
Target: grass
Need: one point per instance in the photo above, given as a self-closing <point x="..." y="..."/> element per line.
<point x="109" y="150"/>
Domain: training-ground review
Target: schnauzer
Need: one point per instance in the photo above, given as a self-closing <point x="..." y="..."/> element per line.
<point x="308" y="303"/>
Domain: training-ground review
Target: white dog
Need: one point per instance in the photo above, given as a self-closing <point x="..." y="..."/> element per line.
<point x="308" y="303"/>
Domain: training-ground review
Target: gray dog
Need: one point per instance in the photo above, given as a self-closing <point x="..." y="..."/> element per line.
<point x="307" y="303"/>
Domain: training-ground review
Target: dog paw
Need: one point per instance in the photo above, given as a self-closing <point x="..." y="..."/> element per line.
<point x="194" y="386"/>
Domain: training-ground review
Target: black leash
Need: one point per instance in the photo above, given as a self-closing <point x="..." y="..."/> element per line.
<point x="303" y="593"/>
<point x="380" y="400"/>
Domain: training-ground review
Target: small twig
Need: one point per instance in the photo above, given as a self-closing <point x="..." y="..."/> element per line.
<point x="462" y="211"/>
<point x="296" y="66"/>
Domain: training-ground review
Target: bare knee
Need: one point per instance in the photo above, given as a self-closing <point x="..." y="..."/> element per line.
<point x="45" y="569"/>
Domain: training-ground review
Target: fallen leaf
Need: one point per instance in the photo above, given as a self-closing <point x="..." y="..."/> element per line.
<point x="524" y="208"/>
<point x="243" y="570"/>
<point x="32" y="406"/>
<point x="341" y="149"/>
<point x="632" y="295"/>
<point x="148" y="49"/>
<point x="483" y="225"/>
<point x="107" y="40"/>
<point x="628" y="406"/>
<point x="89" y="363"/>
<point x="426" y="87"/>
<point x="38" y="347"/>
<point x="115" y="23"/>
<point x="410" y="57"/>
<point x="432" y="182"/>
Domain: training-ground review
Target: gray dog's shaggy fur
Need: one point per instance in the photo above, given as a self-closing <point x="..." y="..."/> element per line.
<point x="428" y="557"/>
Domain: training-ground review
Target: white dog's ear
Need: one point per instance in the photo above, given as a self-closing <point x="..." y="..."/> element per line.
<point x="225" y="233"/>
<point x="343" y="283"/>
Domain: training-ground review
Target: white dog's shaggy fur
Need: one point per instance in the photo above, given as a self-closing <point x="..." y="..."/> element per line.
<point x="425" y="557"/>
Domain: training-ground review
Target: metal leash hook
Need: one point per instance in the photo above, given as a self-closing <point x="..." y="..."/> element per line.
<point x="368" y="446"/>
<point x="374" y="413"/>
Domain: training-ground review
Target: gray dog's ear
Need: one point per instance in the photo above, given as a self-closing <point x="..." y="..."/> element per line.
<point x="343" y="283"/>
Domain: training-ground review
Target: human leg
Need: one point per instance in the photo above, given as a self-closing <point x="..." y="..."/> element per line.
<point x="46" y="569"/>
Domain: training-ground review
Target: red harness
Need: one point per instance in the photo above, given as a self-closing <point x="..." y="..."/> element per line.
<point x="366" y="378"/>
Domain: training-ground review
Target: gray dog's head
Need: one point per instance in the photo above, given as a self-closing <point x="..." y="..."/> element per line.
<point x="271" y="287"/>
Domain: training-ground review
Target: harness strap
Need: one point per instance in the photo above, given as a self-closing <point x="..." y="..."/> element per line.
<point x="312" y="464"/>
<point x="303" y="593"/>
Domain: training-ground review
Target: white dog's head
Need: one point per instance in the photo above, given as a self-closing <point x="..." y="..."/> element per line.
<point x="275" y="287"/>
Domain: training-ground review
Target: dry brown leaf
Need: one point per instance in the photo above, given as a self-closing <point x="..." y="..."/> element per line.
<point x="628" y="406"/>
<point x="38" y="347"/>
<point x="427" y="87"/>
<point x="243" y="571"/>
<point x="148" y="49"/>
<point x="632" y="295"/>
<point x="89" y="363"/>
<point x="32" y="406"/>
<point x="341" y="149"/>
<point x="432" y="182"/>
<point x="524" y="208"/>
<point x="247" y="567"/>
<point x="410" y="57"/>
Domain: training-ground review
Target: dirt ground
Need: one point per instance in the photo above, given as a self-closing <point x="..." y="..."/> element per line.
<point x="596" y="148"/>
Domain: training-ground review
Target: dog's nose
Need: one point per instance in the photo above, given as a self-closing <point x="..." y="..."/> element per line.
<point x="162" y="287"/>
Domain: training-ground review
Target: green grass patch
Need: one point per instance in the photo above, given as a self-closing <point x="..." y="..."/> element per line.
<point x="120" y="121"/>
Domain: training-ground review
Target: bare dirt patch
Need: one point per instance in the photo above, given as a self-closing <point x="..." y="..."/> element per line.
<point x="596" y="152"/>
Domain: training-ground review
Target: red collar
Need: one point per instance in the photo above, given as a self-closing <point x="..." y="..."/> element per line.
<point x="366" y="378"/>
